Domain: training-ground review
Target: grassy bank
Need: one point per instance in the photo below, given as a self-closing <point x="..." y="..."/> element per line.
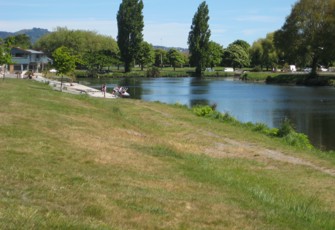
<point x="74" y="162"/>
<point x="155" y="72"/>
<point x="323" y="79"/>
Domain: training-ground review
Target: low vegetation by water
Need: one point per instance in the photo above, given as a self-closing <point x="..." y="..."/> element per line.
<point x="286" y="132"/>
<point x="74" y="162"/>
<point x="298" y="78"/>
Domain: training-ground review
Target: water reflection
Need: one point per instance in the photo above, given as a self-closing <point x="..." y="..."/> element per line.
<point x="311" y="109"/>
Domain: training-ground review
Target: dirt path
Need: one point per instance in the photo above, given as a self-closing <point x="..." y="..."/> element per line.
<point x="226" y="147"/>
<point x="233" y="148"/>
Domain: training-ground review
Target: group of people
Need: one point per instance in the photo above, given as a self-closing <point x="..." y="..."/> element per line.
<point x="118" y="90"/>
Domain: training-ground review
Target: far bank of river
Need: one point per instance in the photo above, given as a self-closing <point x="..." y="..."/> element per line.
<point x="311" y="109"/>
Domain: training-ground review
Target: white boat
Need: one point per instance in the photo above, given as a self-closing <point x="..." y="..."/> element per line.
<point x="120" y="91"/>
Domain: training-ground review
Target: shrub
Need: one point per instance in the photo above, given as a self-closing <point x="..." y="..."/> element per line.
<point x="257" y="69"/>
<point x="203" y="111"/>
<point x="299" y="140"/>
<point x="262" y="128"/>
<point x="153" y="72"/>
<point x="291" y="137"/>
<point x="285" y="128"/>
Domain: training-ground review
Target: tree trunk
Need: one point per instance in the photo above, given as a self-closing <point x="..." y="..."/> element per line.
<point x="198" y="71"/>
<point x="314" y="67"/>
<point x="127" y="67"/>
<point x="61" y="84"/>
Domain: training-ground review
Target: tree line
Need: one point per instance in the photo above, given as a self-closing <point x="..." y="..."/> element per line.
<point x="305" y="39"/>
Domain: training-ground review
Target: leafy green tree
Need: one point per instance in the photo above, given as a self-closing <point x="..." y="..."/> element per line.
<point x="245" y="45"/>
<point x="79" y="41"/>
<point x="198" y="39"/>
<point x="130" y="26"/>
<point x="269" y="57"/>
<point x="235" y="56"/>
<point x="21" y="40"/>
<point x="5" y="56"/>
<point x="306" y="35"/>
<point x="263" y="52"/>
<point x="216" y="52"/>
<point x="256" y="54"/>
<point x="146" y="55"/>
<point x="64" y="62"/>
<point x="175" y="58"/>
<point x="160" y="57"/>
<point x="95" y="61"/>
<point x="186" y="58"/>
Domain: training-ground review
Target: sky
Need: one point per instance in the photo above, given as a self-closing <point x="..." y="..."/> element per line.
<point x="166" y="22"/>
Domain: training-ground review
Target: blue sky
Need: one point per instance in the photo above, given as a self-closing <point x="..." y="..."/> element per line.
<point x="167" y="22"/>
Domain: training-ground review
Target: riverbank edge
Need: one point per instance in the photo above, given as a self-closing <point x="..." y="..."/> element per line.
<point x="291" y="137"/>
<point x="303" y="79"/>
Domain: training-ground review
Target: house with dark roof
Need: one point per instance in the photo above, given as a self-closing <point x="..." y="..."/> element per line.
<point x="28" y="59"/>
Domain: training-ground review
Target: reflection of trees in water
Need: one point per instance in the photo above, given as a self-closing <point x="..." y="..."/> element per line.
<point x="198" y="102"/>
<point x="198" y="86"/>
<point x="317" y="126"/>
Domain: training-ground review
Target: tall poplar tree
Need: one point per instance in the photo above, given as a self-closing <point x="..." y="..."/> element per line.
<point x="198" y="39"/>
<point x="130" y="26"/>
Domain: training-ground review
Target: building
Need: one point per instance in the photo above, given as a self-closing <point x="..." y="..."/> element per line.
<point x="27" y="59"/>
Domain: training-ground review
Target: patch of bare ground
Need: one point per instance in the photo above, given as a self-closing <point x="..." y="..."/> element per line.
<point x="232" y="148"/>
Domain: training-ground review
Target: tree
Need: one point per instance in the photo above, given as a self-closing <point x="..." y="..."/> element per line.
<point x="64" y="62"/>
<point x="146" y="55"/>
<point x="92" y="50"/>
<point x="160" y="57"/>
<point x="264" y="53"/>
<point x="216" y="52"/>
<point x="175" y="58"/>
<point x="5" y="56"/>
<point x="79" y="41"/>
<point x="256" y="54"/>
<point x="95" y="61"/>
<point x="235" y="56"/>
<point x="21" y="40"/>
<point x="130" y="26"/>
<point x="306" y="35"/>
<point x="198" y="39"/>
<point x="245" y="45"/>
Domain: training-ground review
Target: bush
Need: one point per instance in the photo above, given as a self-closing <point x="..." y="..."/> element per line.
<point x="299" y="140"/>
<point x="262" y="128"/>
<point x="286" y="132"/>
<point x="285" y="128"/>
<point x="257" y="69"/>
<point x="153" y="72"/>
<point x="291" y="137"/>
<point x="203" y="111"/>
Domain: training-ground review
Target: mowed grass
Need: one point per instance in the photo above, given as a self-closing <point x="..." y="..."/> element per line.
<point x="74" y="162"/>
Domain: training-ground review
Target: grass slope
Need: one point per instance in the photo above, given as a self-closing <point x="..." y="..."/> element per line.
<point x="74" y="162"/>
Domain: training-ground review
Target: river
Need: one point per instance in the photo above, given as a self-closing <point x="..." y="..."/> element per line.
<point x="310" y="109"/>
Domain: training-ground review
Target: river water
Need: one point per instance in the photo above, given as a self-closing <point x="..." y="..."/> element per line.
<point x="310" y="109"/>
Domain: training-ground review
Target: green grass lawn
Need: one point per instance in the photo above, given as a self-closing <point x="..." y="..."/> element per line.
<point x="74" y="162"/>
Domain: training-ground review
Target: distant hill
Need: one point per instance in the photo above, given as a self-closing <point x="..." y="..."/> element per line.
<point x="34" y="33"/>
<point x="183" y="50"/>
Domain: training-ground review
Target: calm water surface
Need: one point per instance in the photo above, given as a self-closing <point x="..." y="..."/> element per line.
<point x="311" y="109"/>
